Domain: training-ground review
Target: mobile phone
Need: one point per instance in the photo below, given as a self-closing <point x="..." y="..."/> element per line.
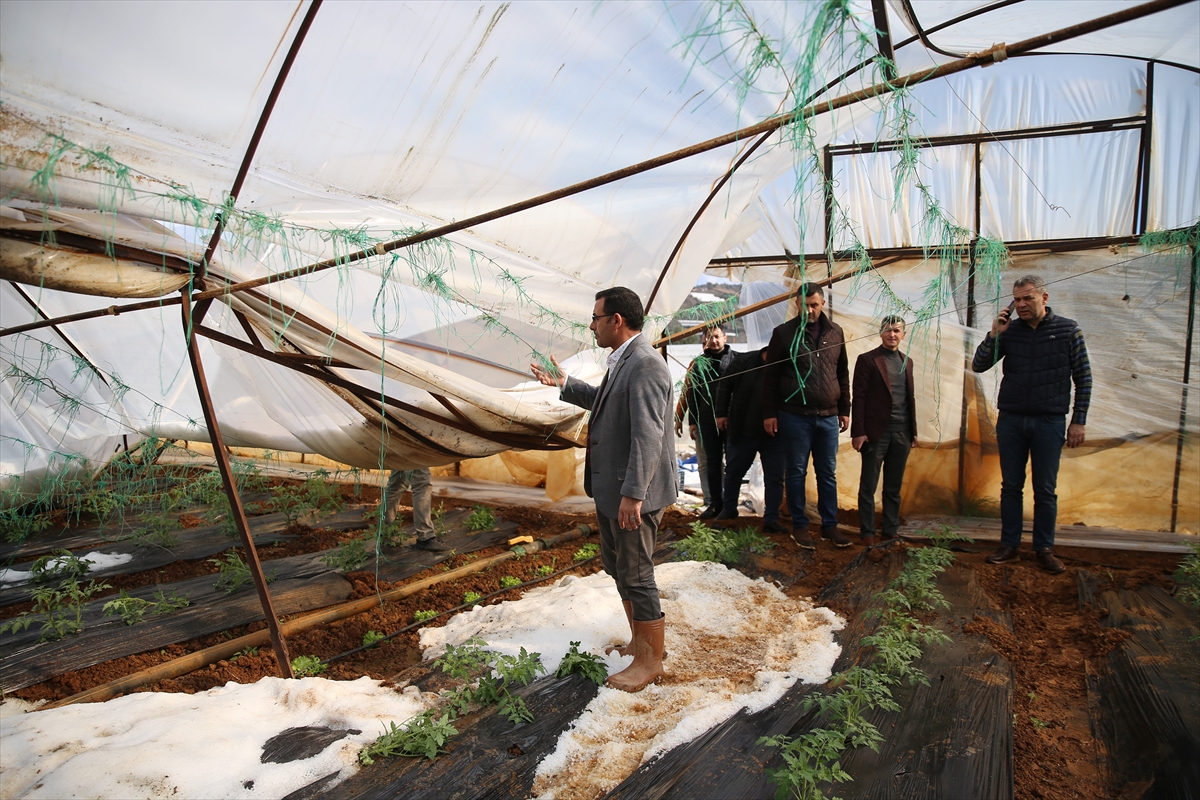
<point x="1010" y="308"/>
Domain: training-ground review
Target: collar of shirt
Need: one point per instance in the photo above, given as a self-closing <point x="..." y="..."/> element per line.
<point x="615" y="355"/>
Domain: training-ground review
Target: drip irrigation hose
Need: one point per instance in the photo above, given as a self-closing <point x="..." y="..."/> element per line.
<point x="202" y="658"/>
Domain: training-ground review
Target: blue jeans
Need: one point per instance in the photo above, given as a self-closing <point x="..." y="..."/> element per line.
<point x="739" y="456"/>
<point x="803" y="435"/>
<point x="1039" y="441"/>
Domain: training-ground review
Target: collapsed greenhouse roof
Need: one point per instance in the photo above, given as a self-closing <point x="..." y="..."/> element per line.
<point x="468" y="175"/>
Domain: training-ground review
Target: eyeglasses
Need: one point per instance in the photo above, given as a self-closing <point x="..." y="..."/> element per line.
<point x="602" y="316"/>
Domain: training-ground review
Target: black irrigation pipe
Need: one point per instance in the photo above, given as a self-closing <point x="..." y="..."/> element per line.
<point x="424" y="622"/>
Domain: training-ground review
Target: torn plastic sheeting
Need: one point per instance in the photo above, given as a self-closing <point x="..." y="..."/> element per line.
<point x="54" y="268"/>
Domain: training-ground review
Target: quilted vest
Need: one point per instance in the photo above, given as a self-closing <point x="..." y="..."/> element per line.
<point x="1037" y="366"/>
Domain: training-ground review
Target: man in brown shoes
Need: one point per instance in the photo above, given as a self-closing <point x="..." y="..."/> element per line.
<point x="1043" y="356"/>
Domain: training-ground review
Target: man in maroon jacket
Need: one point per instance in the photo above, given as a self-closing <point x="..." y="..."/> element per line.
<point x="883" y="427"/>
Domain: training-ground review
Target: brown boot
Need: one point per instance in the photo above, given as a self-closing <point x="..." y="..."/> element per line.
<point x="624" y="649"/>
<point x="647" y="657"/>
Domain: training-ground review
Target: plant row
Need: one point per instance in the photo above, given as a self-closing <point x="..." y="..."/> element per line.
<point x="487" y="679"/>
<point x="813" y="759"/>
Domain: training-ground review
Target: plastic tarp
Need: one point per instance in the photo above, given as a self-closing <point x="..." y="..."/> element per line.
<point x="403" y="117"/>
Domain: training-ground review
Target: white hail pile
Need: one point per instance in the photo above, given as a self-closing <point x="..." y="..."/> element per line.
<point x="95" y="561"/>
<point x="733" y="643"/>
<point x="209" y="744"/>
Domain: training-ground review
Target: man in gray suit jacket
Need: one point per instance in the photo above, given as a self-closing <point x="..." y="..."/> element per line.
<point x="631" y="471"/>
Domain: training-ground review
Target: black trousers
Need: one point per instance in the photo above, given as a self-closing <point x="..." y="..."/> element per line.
<point x="889" y="452"/>
<point x="713" y="442"/>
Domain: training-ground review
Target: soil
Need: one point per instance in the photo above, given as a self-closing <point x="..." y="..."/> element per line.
<point x="1052" y="637"/>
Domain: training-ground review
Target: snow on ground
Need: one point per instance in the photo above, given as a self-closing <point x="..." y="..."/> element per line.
<point x="732" y="643"/>
<point x="98" y="561"/>
<point x="209" y="744"/>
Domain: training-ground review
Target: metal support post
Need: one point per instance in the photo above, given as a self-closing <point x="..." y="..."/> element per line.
<point x="235" y="502"/>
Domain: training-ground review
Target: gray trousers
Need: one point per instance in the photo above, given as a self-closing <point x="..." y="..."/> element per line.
<point x="628" y="557"/>
<point x="702" y="468"/>
<point x="890" y="452"/>
<point x="421" y="483"/>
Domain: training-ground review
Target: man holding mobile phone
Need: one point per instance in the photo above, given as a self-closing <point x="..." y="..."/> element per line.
<point x="1043" y="354"/>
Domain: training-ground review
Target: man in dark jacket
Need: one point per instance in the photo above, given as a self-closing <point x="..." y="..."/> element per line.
<point x="739" y="415"/>
<point x="806" y="400"/>
<point x="1043" y="355"/>
<point x="883" y="427"/>
<point x="696" y="402"/>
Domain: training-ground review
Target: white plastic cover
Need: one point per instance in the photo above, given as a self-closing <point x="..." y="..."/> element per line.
<point x="397" y="117"/>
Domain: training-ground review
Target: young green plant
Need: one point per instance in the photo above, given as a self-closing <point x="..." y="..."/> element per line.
<point x="307" y="666"/>
<point x="481" y="518"/>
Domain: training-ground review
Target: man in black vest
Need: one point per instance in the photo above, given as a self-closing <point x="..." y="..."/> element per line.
<point x="1043" y="355"/>
<point x="739" y="414"/>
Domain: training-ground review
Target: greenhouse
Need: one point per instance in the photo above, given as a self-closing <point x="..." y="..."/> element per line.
<point x="256" y="257"/>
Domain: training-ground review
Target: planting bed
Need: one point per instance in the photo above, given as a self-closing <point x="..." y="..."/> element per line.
<point x="1028" y="666"/>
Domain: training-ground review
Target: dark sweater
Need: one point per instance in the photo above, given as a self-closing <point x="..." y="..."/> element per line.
<point x="739" y="395"/>
<point x="703" y="378"/>
<point x="803" y="379"/>
<point x="1040" y="364"/>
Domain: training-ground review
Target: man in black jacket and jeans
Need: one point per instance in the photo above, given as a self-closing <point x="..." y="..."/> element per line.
<point x="1043" y="355"/>
<point x="739" y="415"/>
<point x="806" y="400"/>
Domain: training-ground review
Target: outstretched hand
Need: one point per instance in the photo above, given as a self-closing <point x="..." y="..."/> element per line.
<point x="549" y="377"/>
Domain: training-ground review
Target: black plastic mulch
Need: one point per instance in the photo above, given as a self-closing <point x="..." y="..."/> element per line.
<point x="104" y="638"/>
<point x="300" y="583"/>
<point x="491" y="758"/>
<point x="75" y="537"/>
<point x="1144" y="696"/>
<point x="191" y="545"/>
<point x="951" y="739"/>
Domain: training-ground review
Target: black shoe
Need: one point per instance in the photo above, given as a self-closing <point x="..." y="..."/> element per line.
<point x="710" y="512"/>
<point x="727" y="513"/>
<point x="832" y="534"/>
<point x="1048" y="562"/>
<point x="773" y="527"/>
<point x="434" y="545"/>
<point x="1003" y="555"/>
<point x="867" y="539"/>
<point x="804" y="540"/>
